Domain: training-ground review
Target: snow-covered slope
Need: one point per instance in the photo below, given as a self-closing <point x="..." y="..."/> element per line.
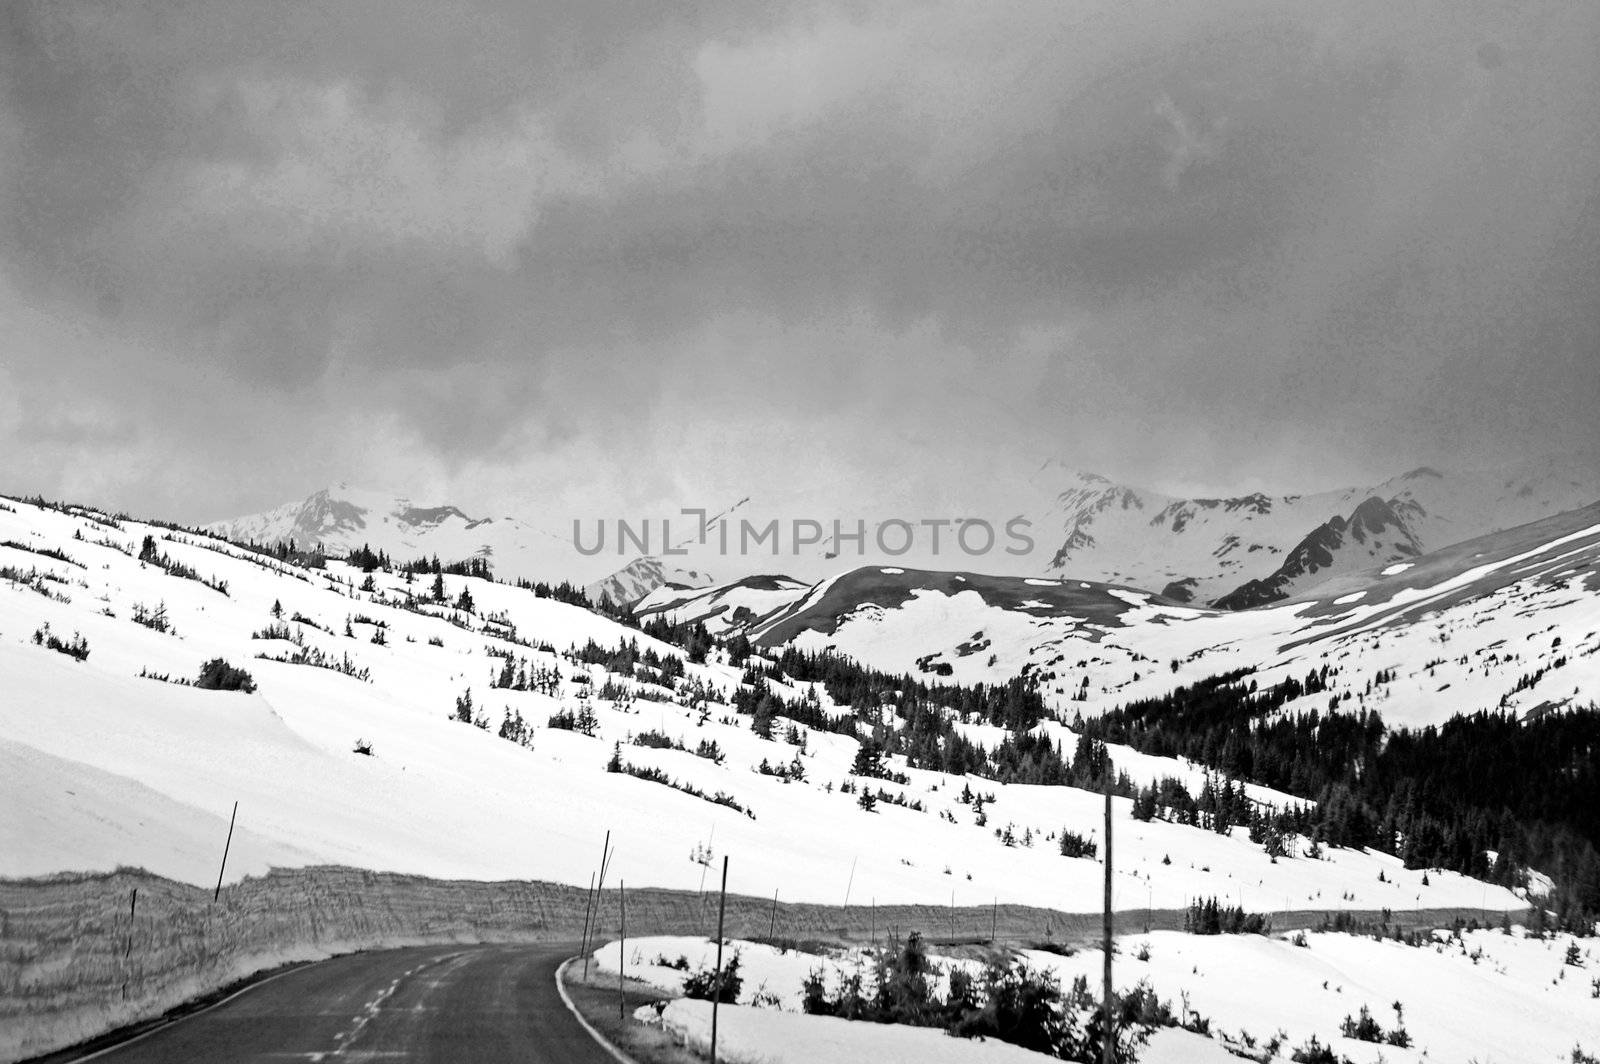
<point x="723" y="608"/>
<point x="1485" y="995"/>
<point x="110" y="764"/>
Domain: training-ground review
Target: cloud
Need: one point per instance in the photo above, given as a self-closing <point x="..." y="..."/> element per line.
<point x="1213" y="242"/>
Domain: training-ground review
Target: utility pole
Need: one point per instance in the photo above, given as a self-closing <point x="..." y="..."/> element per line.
<point x="1108" y="1052"/>
<point x="716" y="994"/>
<point x="225" y="847"/>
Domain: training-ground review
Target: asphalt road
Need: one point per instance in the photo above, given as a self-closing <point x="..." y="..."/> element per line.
<point x="476" y="1004"/>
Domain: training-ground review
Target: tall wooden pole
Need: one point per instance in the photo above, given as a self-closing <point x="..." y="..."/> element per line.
<point x="1108" y="1052"/>
<point x="225" y="847"/>
<point x="599" y="887"/>
<point x="716" y="993"/>
<point x="772" y="924"/>
<point x="599" y="897"/>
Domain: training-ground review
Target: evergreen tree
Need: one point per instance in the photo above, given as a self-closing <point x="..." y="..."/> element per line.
<point x="869" y="759"/>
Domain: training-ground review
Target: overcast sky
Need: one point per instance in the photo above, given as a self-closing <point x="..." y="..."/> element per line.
<point x="607" y="256"/>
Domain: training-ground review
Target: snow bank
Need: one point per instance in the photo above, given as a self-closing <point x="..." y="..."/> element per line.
<point x="765" y="1036"/>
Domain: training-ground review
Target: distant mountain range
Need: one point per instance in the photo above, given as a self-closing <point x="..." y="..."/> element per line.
<point x="1508" y="620"/>
<point x="1252" y="549"/>
<point x="1231" y="552"/>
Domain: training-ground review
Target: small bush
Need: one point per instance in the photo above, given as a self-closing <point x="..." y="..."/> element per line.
<point x="1314" y="1052"/>
<point x="218" y="675"/>
<point x="1075" y="845"/>
<point x="704" y="985"/>
<point x="76" y="648"/>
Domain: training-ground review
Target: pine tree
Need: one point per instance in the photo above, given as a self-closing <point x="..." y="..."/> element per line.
<point x="869" y="759"/>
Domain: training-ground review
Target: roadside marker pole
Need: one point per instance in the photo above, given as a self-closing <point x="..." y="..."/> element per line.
<point x="716" y="993"/>
<point x="772" y="924"/>
<point x="225" y="847"/>
<point x="622" y="959"/>
<point x="127" y="953"/>
<point x="588" y="910"/>
<point x="994" y="919"/>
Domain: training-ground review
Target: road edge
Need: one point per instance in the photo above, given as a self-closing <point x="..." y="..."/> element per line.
<point x="138" y="1031"/>
<point x="566" y="999"/>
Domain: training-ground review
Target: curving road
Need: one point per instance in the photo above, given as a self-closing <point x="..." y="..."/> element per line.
<point x="480" y="1004"/>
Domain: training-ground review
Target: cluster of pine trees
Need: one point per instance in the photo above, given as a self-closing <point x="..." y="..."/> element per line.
<point x="571" y="594"/>
<point x="1208" y="917"/>
<point x="478" y="567"/>
<point x="520" y="674"/>
<point x="627" y="659"/>
<point x="1487" y="794"/>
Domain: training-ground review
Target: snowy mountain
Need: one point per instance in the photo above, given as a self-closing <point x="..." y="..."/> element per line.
<point x="335" y="664"/>
<point x="1257" y="548"/>
<point x="1230" y="552"/>
<point x="1094" y="646"/>
<point x="1372" y="535"/>
<point x="342" y="518"/>
<point x="144" y="765"/>
<point x="640" y="577"/>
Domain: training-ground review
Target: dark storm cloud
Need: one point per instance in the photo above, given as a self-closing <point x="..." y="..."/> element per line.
<point x="1286" y="241"/>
